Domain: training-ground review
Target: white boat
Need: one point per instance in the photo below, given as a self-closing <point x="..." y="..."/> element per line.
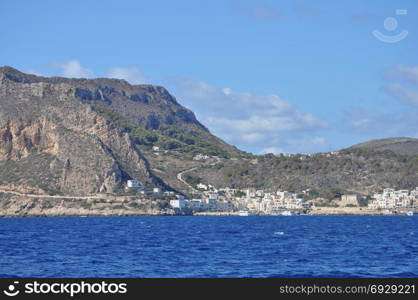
<point x="287" y="213"/>
<point x="410" y="213"/>
<point x="244" y="213"/>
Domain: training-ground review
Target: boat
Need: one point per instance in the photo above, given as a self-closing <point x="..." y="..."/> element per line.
<point x="410" y="213"/>
<point x="244" y="213"/>
<point x="287" y="213"/>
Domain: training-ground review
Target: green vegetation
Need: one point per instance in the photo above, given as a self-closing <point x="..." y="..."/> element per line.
<point x="237" y="170"/>
<point x="334" y="193"/>
<point x="239" y="194"/>
<point x="167" y="137"/>
<point x="192" y="180"/>
<point x="326" y="204"/>
<point x="311" y="194"/>
<point x="32" y="204"/>
<point x="363" y="202"/>
<point x="85" y="205"/>
<point x="119" y="206"/>
<point x="327" y="175"/>
<point x="32" y="171"/>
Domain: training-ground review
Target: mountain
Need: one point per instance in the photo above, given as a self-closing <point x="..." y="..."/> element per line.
<point x="75" y="137"/>
<point x="84" y="136"/>
<point x="399" y="145"/>
<point x="358" y="169"/>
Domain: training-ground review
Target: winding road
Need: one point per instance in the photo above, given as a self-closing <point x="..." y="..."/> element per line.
<point x="180" y="174"/>
<point x="179" y="177"/>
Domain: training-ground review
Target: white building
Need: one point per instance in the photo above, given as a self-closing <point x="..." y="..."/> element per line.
<point x="200" y="157"/>
<point x="202" y="186"/>
<point x="178" y="203"/>
<point x="134" y="184"/>
<point x="394" y="199"/>
<point x="352" y="199"/>
<point x="197" y="204"/>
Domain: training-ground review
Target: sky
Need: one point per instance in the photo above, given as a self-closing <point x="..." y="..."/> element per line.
<point x="266" y="76"/>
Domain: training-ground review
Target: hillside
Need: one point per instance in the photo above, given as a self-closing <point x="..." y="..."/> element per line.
<point x="83" y="136"/>
<point x="400" y="145"/>
<point x="359" y="170"/>
<point x="62" y="136"/>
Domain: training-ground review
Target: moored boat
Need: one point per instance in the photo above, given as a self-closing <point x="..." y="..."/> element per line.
<point x="287" y="213"/>
<point x="244" y="213"/>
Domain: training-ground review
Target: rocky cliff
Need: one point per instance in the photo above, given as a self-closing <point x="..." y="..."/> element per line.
<point x="56" y="135"/>
<point x="62" y="136"/>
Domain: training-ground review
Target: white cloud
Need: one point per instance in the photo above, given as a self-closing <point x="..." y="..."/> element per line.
<point x="244" y="119"/>
<point x="299" y="145"/>
<point x="317" y="140"/>
<point x="131" y="74"/>
<point x="74" y="69"/>
<point x="306" y="145"/>
<point x="227" y="91"/>
<point x="33" y="72"/>
<point x="376" y="123"/>
<point x="402" y="93"/>
<point x="274" y="150"/>
<point x="403" y="73"/>
<point x="406" y="78"/>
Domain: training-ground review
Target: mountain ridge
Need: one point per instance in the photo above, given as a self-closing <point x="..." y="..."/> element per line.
<point x="86" y="136"/>
<point x="399" y="145"/>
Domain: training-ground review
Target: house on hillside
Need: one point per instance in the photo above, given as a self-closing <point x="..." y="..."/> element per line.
<point x="134" y="184"/>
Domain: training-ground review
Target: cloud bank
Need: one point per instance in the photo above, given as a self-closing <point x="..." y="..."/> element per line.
<point x="245" y="119"/>
<point x="403" y="85"/>
<point x="131" y="74"/>
<point x="270" y="124"/>
<point x="74" y="69"/>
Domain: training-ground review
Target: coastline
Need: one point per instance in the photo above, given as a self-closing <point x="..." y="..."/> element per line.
<point x="82" y="214"/>
<point x="19" y="207"/>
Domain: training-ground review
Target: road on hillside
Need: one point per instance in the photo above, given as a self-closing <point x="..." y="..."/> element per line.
<point x="180" y="174"/>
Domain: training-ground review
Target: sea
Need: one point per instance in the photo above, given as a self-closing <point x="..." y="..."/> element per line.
<point x="199" y="246"/>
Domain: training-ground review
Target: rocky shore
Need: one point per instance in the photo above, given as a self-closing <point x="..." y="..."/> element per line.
<point x="19" y="206"/>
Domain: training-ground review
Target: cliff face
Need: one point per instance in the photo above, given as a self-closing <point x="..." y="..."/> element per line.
<point x="52" y="140"/>
<point x="86" y="136"/>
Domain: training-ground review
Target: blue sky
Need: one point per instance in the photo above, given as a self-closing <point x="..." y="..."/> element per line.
<point x="266" y="76"/>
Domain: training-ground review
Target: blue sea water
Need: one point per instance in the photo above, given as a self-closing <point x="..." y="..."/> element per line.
<point x="297" y="246"/>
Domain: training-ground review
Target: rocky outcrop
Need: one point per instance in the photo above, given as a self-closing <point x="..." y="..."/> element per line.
<point x="21" y="206"/>
<point x="51" y="138"/>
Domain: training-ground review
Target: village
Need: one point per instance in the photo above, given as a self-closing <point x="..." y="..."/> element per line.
<point x="250" y="201"/>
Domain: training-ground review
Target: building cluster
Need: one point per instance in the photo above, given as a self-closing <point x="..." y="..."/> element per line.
<point x="350" y="200"/>
<point x="211" y="199"/>
<point x="390" y="198"/>
<point x="201" y="157"/>
<point x="271" y="202"/>
<point x="208" y="200"/>
<point x="227" y="199"/>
